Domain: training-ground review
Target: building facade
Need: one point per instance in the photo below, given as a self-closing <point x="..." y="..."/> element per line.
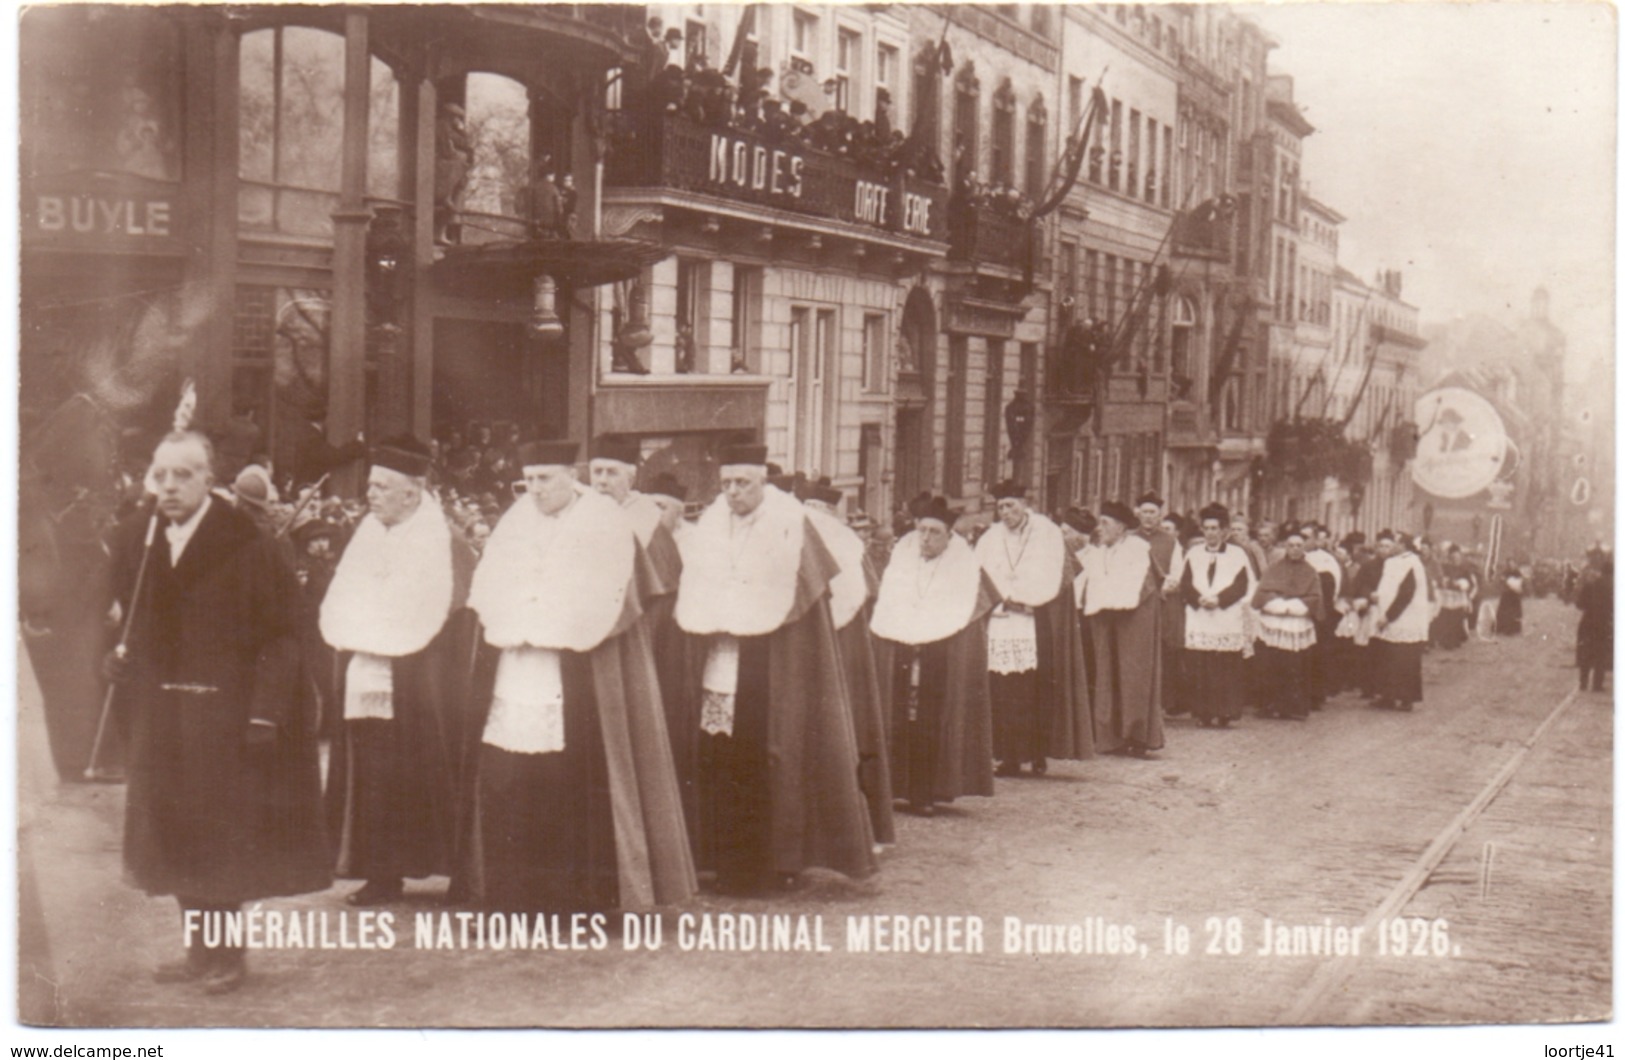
<point x="323" y="217"/>
<point x="1113" y="372"/>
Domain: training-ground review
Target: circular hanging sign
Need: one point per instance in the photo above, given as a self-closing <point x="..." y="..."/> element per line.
<point x="1463" y="445"/>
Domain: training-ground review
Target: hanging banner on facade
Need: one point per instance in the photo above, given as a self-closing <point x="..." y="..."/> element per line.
<point x="1463" y="445"/>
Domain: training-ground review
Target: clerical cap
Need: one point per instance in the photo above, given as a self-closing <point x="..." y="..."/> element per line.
<point x="553" y="453"/>
<point x="1009" y="488"/>
<point x="1149" y="497"/>
<point x="1119" y="511"/>
<point x="402" y="453"/>
<point x="1214" y="511"/>
<point x="609" y="447"/>
<point x="1385" y="535"/>
<point x="932" y="508"/>
<point x="1079" y="519"/>
<point x="666" y="485"/>
<point x="747" y="453"/>
<point x="822" y="492"/>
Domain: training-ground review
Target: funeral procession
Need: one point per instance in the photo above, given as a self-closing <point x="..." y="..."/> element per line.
<point x="810" y="515"/>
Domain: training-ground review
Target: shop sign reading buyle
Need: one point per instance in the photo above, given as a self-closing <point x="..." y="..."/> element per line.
<point x="1463" y="446"/>
<point x="101" y="213"/>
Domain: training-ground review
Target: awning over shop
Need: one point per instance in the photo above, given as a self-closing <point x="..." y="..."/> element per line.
<point x="573" y="263"/>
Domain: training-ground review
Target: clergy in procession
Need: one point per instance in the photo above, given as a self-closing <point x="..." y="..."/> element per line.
<point x="1121" y="601"/>
<point x="850" y="595"/>
<point x="1215" y="583"/>
<point x="1458" y="586"/>
<point x="1322" y="660"/>
<point x="395" y="614"/>
<point x="1167" y="559"/>
<point x="1359" y="621"/>
<point x="577" y="802"/>
<point x="612" y="469"/>
<point x="1403" y="615"/>
<point x="778" y="772"/>
<point x="930" y="628"/>
<point x="1038" y="685"/>
<point x="1289" y="604"/>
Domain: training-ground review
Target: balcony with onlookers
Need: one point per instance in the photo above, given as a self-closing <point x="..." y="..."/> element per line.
<point x="692" y="130"/>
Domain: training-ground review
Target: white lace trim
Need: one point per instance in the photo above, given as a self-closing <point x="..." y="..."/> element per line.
<point x="527" y="706"/>
<point x="1012" y="644"/>
<point x="1198" y="641"/>
<point x="369" y="688"/>
<point x="717" y="713"/>
<point x="1286" y="632"/>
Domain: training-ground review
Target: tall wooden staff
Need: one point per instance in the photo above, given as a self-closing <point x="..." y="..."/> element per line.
<point x="121" y="652"/>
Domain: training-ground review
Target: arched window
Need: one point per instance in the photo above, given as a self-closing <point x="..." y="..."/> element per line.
<point x="927" y="97"/>
<point x="100" y="90"/>
<point x="967" y="96"/>
<point x="1004" y="135"/>
<point x="499" y="132"/>
<point x="1037" y="125"/>
<point x="1182" y="340"/>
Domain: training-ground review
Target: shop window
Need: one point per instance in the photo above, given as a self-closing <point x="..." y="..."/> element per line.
<point x="279" y="363"/>
<point x="875" y="368"/>
<point x="746" y="311"/>
<point x="686" y="340"/>
<point x="100" y="91"/>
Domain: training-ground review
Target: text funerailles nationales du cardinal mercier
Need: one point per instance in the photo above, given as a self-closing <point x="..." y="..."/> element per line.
<point x="877" y="933"/>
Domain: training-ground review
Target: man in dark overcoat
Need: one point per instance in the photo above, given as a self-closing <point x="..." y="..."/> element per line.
<point x="224" y="796"/>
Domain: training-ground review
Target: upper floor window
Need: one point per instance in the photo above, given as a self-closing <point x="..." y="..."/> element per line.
<point x="886" y="62"/>
<point x="1041" y="21"/>
<point x="290" y="128"/>
<point x="848" y="49"/>
<point x="100" y="90"/>
<point x="499" y="123"/>
<point x="1004" y="134"/>
<point x="1037" y="124"/>
<point x="804" y="34"/>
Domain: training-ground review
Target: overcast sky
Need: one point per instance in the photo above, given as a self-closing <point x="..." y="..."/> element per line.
<point x="1471" y="145"/>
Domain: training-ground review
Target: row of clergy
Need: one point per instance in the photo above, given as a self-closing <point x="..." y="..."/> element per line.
<point x="597" y="708"/>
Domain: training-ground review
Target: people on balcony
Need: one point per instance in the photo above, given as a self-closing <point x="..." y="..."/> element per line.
<point x="698" y="93"/>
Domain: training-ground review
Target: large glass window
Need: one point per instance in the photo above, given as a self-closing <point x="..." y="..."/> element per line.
<point x="100" y="90"/>
<point x="499" y="133"/>
<point x="290" y="143"/>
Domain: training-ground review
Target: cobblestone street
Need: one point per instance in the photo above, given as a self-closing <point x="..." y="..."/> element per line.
<point x="1311" y="825"/>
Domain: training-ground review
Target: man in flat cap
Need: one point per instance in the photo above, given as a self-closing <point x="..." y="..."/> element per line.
<point x="396" y="614"/>
<point x="577" y="801"/>
<point x="850" y="596"/>
<point x="1040" y="700"/>
<point x="778" y="759"/>
<point x="1121" y="598"/>
<point x="930" y="628"/>
<point x="224" y="798"/>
